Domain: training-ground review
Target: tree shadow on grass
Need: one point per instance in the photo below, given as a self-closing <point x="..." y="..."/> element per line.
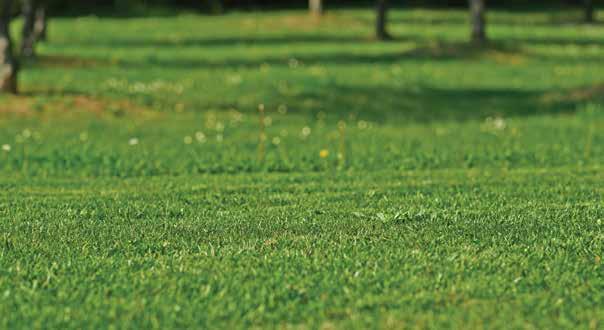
<point x="261" y="40"/>
<point x="431" y="51"/>
<point x="508" y="43"/>
<point x="384" y="103"/>
<point x="428" y="104"/>
<point x="547" y="41"/>
<point x="46" y="61"/>
<point x="551" y="21"/>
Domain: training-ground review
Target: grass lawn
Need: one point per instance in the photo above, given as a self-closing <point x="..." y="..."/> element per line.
<point x="418" y="183"/>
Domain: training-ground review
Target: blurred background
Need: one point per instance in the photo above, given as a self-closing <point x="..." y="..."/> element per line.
<point x="125" y="88"/>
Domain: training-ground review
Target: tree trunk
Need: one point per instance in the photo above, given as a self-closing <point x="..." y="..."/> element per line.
<point x="315" y="7"/>
<point x="28" y="40"/>
<point x="381" y="20"/>
<point x="478" y="20"/>
<point x="8" y="64"/>
<point x="41" y="23"/>
<point x="589" y="11"/>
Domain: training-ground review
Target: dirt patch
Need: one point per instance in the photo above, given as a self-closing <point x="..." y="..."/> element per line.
<point x="63" y="61"/>
<point x="15" y="104"/>
<point x="27" y="105"/>
<point x="102" y="106"/>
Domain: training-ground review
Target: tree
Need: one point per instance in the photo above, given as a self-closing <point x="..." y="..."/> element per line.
<point x="589" y="11"/>
<point x="41" y="24"/>
<point x="28" y="40"/>
<point x="8" y="64"/>
<point x="34" y="26"/>
<point x="215" y="7"/>
<point x="478" y="21"/>
<point x="381" y="20"/>
<point x="315" y="7"/>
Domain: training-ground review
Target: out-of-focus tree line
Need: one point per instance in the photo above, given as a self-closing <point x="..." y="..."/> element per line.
<point x="34" y="14"/>
<point x="89" y="4"/>
<point x="35" y="17"/>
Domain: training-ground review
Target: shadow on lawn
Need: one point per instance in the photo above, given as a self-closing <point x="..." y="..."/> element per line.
<point x="437" y="50"/>
<point x="261" y="40"/>
<point x="427" y="104"/>
<point x="424" y="51"/>
<point x="566" y="20"/>
<point x="547" y="41"/>
<point x="66" y="62"/>
<point x="548" y="15"/>
<point x="383" y="103"/>
<point x="509" y="42"/>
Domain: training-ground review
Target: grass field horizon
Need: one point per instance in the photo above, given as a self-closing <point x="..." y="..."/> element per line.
<point x="416" y="183"/>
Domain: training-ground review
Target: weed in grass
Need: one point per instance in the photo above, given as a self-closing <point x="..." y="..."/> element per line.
<point x="262" y="135"/>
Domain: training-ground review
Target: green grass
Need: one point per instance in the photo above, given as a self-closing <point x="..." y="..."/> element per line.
<point x="462" y="186"/>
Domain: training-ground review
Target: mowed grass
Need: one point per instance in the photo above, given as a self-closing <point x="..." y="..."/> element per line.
<point x="456" y="248"/>
<point x="419" y="183"/>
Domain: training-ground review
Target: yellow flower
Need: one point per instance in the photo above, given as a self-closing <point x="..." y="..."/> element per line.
<point x="324" y="153"/>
